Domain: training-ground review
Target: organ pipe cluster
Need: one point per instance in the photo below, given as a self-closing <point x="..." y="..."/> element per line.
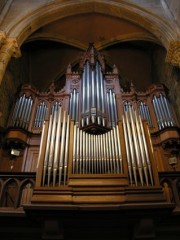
<point x="163" y="112"/>
<point x="138" y="160"/>
<point x="55" y="164"/>
<point x="22" y="112"/>
<point x="40" y="115"/>
<point x="97" y="154"/>
<point x="93" y="95"/>
<point x="145" y="114"/>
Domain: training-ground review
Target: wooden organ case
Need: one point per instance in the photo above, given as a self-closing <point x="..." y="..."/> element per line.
<point x="92" y="142"/>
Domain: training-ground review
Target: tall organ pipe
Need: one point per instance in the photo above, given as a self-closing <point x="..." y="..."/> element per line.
<point x="74" y="104"/>
<point x="129" y="158"/>
<point x="161" y="109"/>
<point x="88" y="93"/>
<point x="23" y="112"/>
<point x="70" y="105"/>
<point x="61" y="160"/>
<point x="136" y="144"/>
<point x="27" y="113"/>
<point x="142" y="153"/>
<point x="146" y="151"/>
<point x="97" y="93"/>
<point x="51" y="151"/>
<point x="77" y="107"/>
<point x="21" y="106"/>
<point x="57" y="146"/>
<point x="166" y="118"/>
<point x="66" y="151"/>
<point x="157" y="113"/>
<point x="111" y="107"/>
<point x="47" y="149"/>
<point x="132" y="152"/>
<point x="74" y="149"/>
<point x="169" y="111"/>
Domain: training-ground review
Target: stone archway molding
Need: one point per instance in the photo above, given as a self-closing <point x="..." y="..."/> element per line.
<point x="18" y="31"/>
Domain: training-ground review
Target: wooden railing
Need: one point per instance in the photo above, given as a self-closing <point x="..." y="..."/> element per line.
<point x="170" y="181"/>
<point x="16" y="189"/>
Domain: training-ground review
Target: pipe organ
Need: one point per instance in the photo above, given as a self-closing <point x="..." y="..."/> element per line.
<point x="94" y="138"/>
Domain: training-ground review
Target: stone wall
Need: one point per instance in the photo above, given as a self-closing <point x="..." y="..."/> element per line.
<point x="174" y="7"/>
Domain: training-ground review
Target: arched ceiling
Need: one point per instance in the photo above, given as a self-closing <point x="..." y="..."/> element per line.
<point x="52" y="47"/>
<point x="58" y="39"/>
<point x="103" y="30"/>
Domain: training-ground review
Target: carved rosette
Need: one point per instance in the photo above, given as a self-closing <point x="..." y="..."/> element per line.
<point x="173" y="54"/>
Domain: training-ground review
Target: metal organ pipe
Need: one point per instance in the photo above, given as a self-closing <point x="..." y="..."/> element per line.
<point x="160" y="107"/>
<point x="136" y="148"/>
<point x="52" y="145"/>
<point x="142" y="153"/>
<point x="145" y="114"/>
<point x="22" y="111"/>
<point x="47" y="149"/>
<point x="74" y="149"/>
<point x="57" y="146"/>
<point x="136" y="144"/>
<point x="77" y="108"/>
<point x="115" y="107"/>
<point x="28" y="113"/>
<point x="88" y="94"/>
<point x="98" y="93"/>
<point x="40" y="114"/>
<point x="129" y="159"/>
<point x="146" y="150"/>
<point x="83" y="93"/>
<point x="167" y="111"/>
<point x="163" y="112"/>
<point x="170" y="115"/>
<point x="61" y="160"/>
<point x="131" y="145"/>
<point x="96" y="154"/>
<point x="160" y="124"/>
<point x="66" y="150"/>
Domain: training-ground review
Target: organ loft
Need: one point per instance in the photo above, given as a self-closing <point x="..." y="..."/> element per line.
<point x="92" y="142"/>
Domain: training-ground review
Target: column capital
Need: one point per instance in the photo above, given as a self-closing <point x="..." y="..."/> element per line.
<point x="2" y="38"/>
<point x="173" y="54"/>
<point x="12" y="45"/>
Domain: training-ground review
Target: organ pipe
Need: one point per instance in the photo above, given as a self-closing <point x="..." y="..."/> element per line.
<point x="163" y="112"/>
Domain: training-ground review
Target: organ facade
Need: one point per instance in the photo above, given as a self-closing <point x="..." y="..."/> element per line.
<point x="93" y="142"/>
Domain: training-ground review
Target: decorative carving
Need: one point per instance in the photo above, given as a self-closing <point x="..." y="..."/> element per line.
<point x="8" y="49"/>
<point x="2" y="38"/>
<point x="173" y="54"/>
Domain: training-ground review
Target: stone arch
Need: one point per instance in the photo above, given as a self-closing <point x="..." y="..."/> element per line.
<point x="53" y="11"/>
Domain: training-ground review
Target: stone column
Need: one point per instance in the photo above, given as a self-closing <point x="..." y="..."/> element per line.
<point x="9" y="48"/>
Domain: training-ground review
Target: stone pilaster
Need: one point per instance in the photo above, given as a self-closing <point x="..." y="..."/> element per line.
<point x="173" y="54"/>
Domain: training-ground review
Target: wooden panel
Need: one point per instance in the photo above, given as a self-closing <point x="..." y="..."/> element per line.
<point x="30" y="161"/>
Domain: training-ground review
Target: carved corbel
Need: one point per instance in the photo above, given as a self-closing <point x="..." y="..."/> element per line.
<point x="173" y="54"/>
<point x="9" y="49"/>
